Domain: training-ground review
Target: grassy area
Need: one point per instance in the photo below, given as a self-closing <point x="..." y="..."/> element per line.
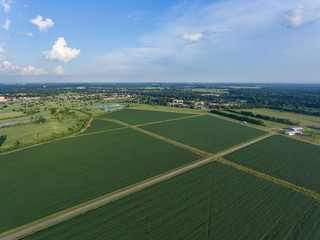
<point x="210" y="202"/>
<point x="27" y="133"/>
<point x="288" y="159"/>
<point x="98" y="125"/>
<point x="133" y="116"/>
<point x="207" y="133"/>
<point x="48" y="178"/>
<point x="304" y="120"/>
<point x="6" y="115"/>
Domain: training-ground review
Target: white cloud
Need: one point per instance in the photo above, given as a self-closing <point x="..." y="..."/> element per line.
<point x="43" y="25"/>
<point x="6" y="25"/>
<point x="192" y="37"/>
<point x="61" y="52"/>
<point x="59" y="70"/>
<point x="7" y="68"/>
<point x="30" y="70"/>
<point x="1" y="48"/>
<point x="301" y="15"/>
<point x="6" y="5"/>
<point x="29" y="34"/>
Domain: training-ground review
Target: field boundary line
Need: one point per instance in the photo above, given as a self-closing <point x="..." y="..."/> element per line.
<point x="205" y="113"/>
<point x="69" y="213"/>
<point x="168" y="120"/>
<point x="92" y="133"/>
<point x="168" y="140"/>
<point x="269" y="178"/>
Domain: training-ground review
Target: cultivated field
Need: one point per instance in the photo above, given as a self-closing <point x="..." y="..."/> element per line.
<point x="284" y="158"/>
<point x="210" y="202"/>
<point x="133" y="116"/>
<point x="207" y="133"/>
<point x="43" y="180"/>
<point x="98" y="125"/>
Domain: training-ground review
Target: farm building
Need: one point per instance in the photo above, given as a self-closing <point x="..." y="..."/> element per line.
<point x="296" y="129"/>
<point x="290" y="133"/>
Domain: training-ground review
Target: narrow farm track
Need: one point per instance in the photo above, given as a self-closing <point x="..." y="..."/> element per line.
<point x="65" y="215"/>
<point x="178" y="144"/>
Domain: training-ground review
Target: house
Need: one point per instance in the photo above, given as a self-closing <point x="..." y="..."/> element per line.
<point x="291" y="133"/>
<point x="296" y="129"/>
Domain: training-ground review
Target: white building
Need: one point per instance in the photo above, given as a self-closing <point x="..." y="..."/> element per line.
<point x="290" y="133"/>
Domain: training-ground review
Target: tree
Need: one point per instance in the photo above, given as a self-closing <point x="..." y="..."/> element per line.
<point x="53" y="110"/>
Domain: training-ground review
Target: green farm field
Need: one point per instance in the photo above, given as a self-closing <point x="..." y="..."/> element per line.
<point x="210" y="202"/>
<point x="285" y="158"/>
<point x="207" y="133"/>
<point x="304" y="120"/>
<point x="98" y="125"/>
<point x="48" y="178"/>
<point x="133" y="116"/>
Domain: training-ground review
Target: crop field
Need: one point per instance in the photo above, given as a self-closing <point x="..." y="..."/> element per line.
<point x="5" y="115"/>
<point x="98" y="125"/>
<point x="45" y="179"/>
<point x="207" y="133"/>
<point x="288" y="159"/>
<point x="210" y="202"/>
<point x="133" y="116"/>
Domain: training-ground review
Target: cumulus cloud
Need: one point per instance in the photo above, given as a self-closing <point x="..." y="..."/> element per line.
<point x="7" y="68"/>
<point x="6" y="24"/>
<point x="61" y="52"/>
<point x="30" y="70"/>
<point x="301" y="15"/>
<point x="192" y="37"/>
<point x="1" y="47"/>
<point x="43" y="25"/>
<point x="29" y="34"/>
<point x="59" y="70"/>
<point x="6" y="5"/>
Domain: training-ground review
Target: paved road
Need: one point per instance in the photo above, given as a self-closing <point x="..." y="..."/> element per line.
<point x="79" y="210"/>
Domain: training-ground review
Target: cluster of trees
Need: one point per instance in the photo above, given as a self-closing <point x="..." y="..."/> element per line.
<point x="265" y="117"/>
<point x="237" y="117"/>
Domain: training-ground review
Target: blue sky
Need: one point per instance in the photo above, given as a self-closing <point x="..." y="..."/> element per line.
<point x="160" y="41"/>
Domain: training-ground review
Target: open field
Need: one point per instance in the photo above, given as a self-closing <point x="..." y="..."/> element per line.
<point x="281" y="157"/>
<point x="303" y="119"/>
<point x="133" y="116"/>
<point x="210" y="202"/>
<point x="5" y="115"/>
<point x="45" y="179"/>
<point x="171" y="109"/>
<point x="207" y="133"/>
<point x="98" y="125"/>
<point x="27" y="133"/>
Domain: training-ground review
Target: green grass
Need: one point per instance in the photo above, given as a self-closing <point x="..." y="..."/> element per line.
<point x="210" y="202"/>
<point x="27" y="133"/>
<point x="98" y="125"/>
<point x="6" y="115"/>
<point x="133" y="116"/>
<point x="288" y="159"/>
<point x="304" y="120"/>
<point x="45" y="179"/>
<point x="207" y="133"/>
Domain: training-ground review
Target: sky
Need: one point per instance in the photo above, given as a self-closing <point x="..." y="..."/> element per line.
<point x="258" y="41"/>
